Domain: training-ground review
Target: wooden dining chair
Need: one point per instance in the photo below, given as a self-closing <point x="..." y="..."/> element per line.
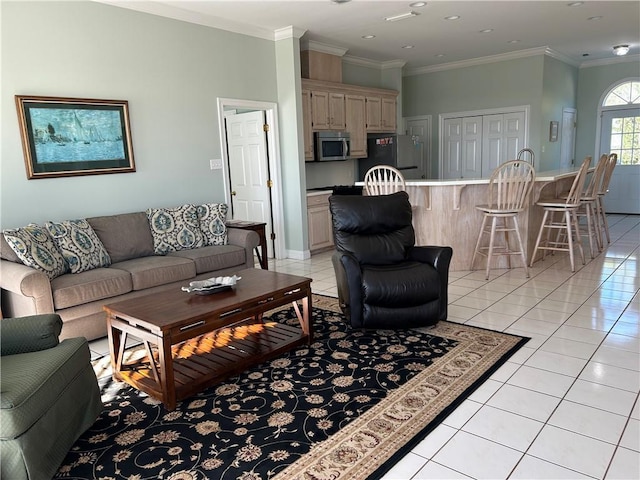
<point x="508" y="193"/>
<point x="566" y="208"/>
<point x="602" y="192"/>
<point x="383" y="180"/>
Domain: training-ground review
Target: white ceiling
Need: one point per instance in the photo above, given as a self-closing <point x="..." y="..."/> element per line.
<point x="565" y="30"/>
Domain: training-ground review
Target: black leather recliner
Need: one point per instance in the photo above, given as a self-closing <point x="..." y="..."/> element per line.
<point x="383" y="280"/>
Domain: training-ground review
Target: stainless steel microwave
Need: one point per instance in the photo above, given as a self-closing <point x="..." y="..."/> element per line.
<point x="332" y="146"/>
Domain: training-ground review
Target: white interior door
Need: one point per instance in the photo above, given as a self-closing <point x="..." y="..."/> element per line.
<point x="249" y="170"/>
<point x="420" y="129"/>
<point x="620" y="133"/>
<point x="472" y="147"/>
<point x="452" y="161"/>
<point x="568" y="138"/>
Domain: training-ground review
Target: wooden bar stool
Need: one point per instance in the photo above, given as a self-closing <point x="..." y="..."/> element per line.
<point x="567" y="208"/>
<point x="508" y="193"/>
<point x="383" y="180"/>
<point x="603" y="190"/>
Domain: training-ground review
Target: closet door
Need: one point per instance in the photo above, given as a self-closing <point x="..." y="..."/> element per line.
<point x="452" y="161"/>
<point x="472" y="147"/>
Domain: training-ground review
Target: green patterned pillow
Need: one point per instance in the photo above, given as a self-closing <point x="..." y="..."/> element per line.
<point x="35" y="247"/>
<point x="212" y="223"/>
<point x="79" y="244"/>
<point x="175" y="229"/>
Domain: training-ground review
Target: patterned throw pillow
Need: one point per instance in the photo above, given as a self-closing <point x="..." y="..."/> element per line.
<point x="212" y="223"/>
<point x="35" y="247"/>
<point x="175" y="229"/>
<point x="79" y="244"/>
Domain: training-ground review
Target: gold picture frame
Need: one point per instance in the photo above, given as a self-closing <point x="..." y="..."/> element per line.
<point x="63" y="137"/>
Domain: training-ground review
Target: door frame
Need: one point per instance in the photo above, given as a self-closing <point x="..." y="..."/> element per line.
<point x="273" y="154"/>
<point x="563" y="132"/>
<point x="480" y="113"/>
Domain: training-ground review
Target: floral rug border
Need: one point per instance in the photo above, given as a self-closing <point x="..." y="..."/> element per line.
<point x="371" y="445"/>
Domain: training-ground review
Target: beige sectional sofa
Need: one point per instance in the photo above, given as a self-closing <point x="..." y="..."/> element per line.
<point x="135" y="270"/>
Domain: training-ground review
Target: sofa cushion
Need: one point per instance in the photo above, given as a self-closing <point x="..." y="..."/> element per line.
<point x="216" y="257"/>
<point x="125" y="236"/>
<point x="212" y="223"/>
<point x="175" y="229"/>
<point x="25" y="398"/>
<point x="35" y="247"/>
<point x="147" y="272"/>
<point x="79" y="245"/>
<point x="97" y="284"/>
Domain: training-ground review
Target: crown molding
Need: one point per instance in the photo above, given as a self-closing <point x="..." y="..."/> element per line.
<point x="562" y="57"/>
<point x="324" y="48"/>
<point x="175" y="13"/>
<point x="530" y="52"/>
<point x="610" y="61"/>
<point x="365" y="62"/>
<point x="288" y="32"/>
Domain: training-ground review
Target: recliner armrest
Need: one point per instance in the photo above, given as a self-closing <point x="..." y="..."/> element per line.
<point x="29" y="334"/>
<point x="440" y="258"/>
<point x="349" y="282"/>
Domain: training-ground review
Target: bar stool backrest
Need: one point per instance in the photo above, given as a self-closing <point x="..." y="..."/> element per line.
<point x="383" y="180"/>
<point x="606" y="178"/>
<point x="510" y="185"/>
<point x="596" y="178"/>
<point x="573" y="198"/>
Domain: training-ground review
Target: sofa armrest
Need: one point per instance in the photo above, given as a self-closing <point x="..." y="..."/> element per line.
<point x="244" y="238"/>
<point x="29" y="334"/>
<point x="26" y="291"/>
<point x="349" y="282"/>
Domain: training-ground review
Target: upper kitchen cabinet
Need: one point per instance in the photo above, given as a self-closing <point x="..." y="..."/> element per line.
<point x="327" y="110"/>
<point x="306" y="125"/>
<point x="338" y="106"/>
<point x="355" y="107"/>
<point x="381" y="113"/>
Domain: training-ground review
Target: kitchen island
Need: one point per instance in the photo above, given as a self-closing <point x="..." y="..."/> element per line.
<point x="444" y="213"/>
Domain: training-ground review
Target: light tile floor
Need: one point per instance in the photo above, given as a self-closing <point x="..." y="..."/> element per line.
<point x="564" y="406"/>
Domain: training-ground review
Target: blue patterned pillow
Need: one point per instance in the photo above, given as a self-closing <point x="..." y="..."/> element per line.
<point x="79" y="245"/>
<point x="212" y="223"/>
<point x="35" y="247"/>
<point x="175" y="229"/>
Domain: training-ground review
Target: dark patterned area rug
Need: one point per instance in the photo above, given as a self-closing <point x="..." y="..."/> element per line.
<point x="347" y="407"/>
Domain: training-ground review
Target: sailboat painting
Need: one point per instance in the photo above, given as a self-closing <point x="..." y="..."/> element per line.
<point x="72" y="136"/>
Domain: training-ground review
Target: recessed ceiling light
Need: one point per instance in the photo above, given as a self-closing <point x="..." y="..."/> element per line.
<point x="340" y="1"/>
<point x="621" y="49"/>
<point x="440" y="55"/>
<point x="401" y="16"/>
<point x="597" y="17"/>
<point x="452" y="17"/>
<point x="417" y="4"/>
<point x="514" y="41"/>
<point x="368" y="37"/>
<point x="574" y="4"/>
<point x="486" y="30"/>
<point x="408" y="46"/>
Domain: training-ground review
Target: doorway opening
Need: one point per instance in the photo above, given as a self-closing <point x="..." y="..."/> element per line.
<point x="269" y="159"/>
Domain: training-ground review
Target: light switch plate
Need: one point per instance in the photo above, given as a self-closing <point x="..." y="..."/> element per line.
<point x="215" y="163"/>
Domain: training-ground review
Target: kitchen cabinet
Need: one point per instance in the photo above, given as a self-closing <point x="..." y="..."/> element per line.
<point x="327" y="110"/>
<point x="319" y="222"/>
<point x="355" y="112"/>
<point x="352" y="108"/>
<point x="306" y="125"/>
<point x="381" y="114"/>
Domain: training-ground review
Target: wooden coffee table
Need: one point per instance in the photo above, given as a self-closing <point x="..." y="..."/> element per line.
<point x="194" y="341"/>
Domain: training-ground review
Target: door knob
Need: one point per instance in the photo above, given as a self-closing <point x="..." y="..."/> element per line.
<point x="233" y="192"/>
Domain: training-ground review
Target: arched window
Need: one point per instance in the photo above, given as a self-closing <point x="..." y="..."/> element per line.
<point x="627" y="93"/>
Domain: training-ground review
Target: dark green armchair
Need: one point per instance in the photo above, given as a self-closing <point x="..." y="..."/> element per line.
<point x="49" y="395"/>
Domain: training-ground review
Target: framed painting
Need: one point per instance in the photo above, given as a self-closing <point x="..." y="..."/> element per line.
<point x="64" y="137"/>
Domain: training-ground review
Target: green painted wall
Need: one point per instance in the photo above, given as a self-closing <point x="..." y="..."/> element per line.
<point x="171" y="72"/>
<point x="559" y="87"/>
<point x="593" y="82"/>
<point x="480" y="87"/>
<point x="353" y="74"/>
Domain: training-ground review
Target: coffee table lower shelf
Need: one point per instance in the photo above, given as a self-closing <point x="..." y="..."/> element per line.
<point x="210" y="358"/>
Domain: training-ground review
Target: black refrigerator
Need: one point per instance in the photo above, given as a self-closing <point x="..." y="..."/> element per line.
<point x="399" y="151"/>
